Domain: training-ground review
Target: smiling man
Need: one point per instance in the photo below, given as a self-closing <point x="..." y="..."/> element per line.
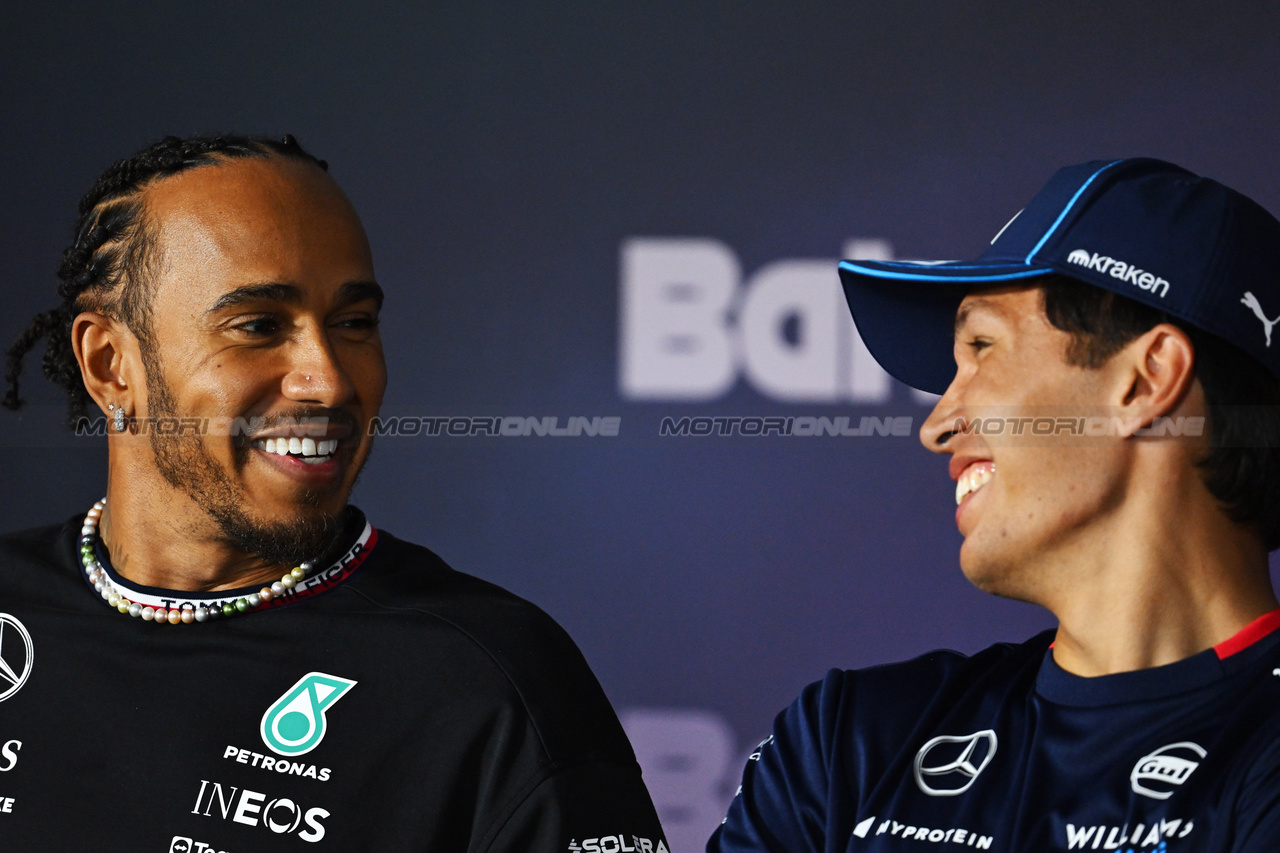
<point x="223" y="654"/>
<point x="1111" y="410"/>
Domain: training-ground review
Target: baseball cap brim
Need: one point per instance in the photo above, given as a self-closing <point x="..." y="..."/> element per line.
<point x="905" y="310"/>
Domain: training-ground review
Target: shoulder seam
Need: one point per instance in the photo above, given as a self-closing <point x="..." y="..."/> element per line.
<point x="524" y="702"/>
<point x="537" y="780"/>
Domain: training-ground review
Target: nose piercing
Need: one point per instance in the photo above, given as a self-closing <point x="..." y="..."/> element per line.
<point x="308" y="378"/>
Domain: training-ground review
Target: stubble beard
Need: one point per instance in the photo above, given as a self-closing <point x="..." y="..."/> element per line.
<point x="186" y="464"/>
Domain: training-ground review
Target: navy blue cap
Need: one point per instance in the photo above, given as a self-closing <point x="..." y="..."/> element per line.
<point x="1145" y="229"/>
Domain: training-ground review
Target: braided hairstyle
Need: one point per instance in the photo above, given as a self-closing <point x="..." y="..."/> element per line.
<point x="106" y="267"/>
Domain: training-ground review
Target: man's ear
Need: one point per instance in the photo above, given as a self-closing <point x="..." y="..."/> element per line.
<point x="109" y="359"/>
<point x="1156" y="370"/>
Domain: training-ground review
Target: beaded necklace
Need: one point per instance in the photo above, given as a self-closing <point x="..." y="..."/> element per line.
<point x="186" y="614"/>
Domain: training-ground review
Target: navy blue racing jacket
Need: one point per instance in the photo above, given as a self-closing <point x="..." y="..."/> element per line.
<point x="1006" y="751"/>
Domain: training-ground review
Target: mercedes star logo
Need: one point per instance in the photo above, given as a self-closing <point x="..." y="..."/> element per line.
<point x="16" y="655"/>
<point x="954" y="762"/>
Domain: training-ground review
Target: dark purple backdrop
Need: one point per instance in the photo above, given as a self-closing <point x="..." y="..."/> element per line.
<point x="501" y="155"/>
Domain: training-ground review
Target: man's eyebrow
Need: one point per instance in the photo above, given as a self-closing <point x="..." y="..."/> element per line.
<point x="962" y="315"/>
<point x="351" y="292"/>
<point x="358" y="291"/>
<point x="257" y="293"/>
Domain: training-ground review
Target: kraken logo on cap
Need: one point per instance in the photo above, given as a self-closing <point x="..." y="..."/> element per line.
<point x="295" y="724"/>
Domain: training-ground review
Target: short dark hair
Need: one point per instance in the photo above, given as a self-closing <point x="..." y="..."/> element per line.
<point x="106" y="266"/>
<point x="1242" y="466"/>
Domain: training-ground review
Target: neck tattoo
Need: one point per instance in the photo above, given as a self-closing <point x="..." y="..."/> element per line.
<point x="185" y="614"/>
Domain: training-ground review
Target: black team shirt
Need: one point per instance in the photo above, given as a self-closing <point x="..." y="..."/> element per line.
<point x="1006" y="751"/>
<point x="392" y="705"/>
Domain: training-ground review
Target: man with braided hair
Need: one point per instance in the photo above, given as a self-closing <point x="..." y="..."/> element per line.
<point x="230" y="657"/>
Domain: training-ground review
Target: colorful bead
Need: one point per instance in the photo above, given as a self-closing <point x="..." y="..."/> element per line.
<point x="101" y="582"/>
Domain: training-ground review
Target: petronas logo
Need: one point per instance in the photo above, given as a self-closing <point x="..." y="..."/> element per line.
<point x="295" y="723"/>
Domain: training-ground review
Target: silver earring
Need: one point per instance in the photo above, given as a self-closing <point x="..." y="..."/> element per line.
<point x="120" y="425"/>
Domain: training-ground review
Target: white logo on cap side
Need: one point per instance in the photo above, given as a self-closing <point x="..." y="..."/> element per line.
<point x="962" y="765"/>
<point x="1252" y="302"/>
<point x="1120" y="270"/>
<point x="15" y="665"/>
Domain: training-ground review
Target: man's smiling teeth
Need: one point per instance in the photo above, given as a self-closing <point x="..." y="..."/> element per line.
<point x="309" y="449"/>
<point x="974" y="478"/>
